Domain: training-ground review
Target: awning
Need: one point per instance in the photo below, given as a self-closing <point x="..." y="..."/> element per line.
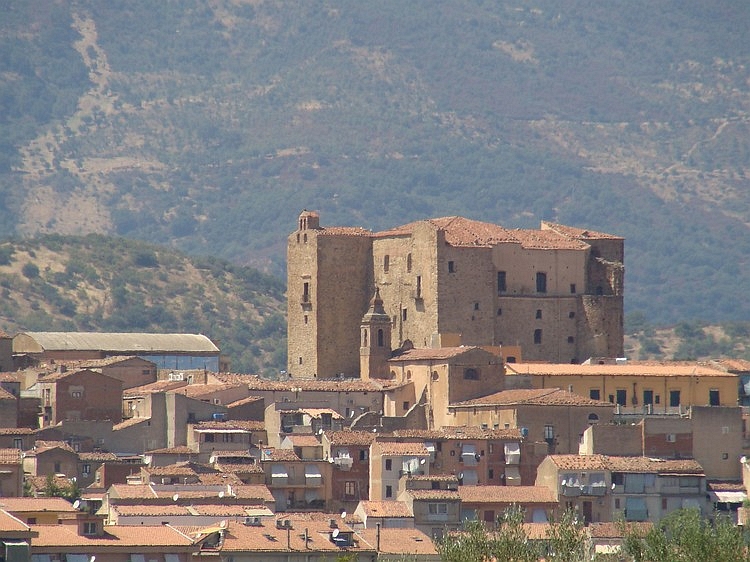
<point x="727" y="496"/>
<point x="312" y="471"/>
<point x="512" y="453"/>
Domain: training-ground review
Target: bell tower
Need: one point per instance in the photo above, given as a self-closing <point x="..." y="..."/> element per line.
<point x="375" y="341"/>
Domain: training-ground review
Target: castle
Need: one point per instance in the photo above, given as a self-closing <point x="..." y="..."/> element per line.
<point x="556" y="292"/>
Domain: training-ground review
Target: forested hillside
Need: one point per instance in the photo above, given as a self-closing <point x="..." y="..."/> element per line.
<point x="97" y="283"/>
<point x="208" y="126"/>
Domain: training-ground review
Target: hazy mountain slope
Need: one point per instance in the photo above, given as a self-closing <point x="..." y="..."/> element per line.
<point x="96" y="283"/>
<point x="210" y="125"/>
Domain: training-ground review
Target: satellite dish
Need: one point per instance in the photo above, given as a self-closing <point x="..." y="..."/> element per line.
<point x="176" y="497"/>
<point x="320" y="431"/>
<point x="343" y="515"/>
<point x="564" y="482"/>
<point x="335" y="533"/>
<point x="93" y="558"/>
<point x="221" y="493"/>
<point x="422" y="461"/>
<point x="223" y="524"/>
<point x="76" y="504"/>
<point x="743" y="459"/>
<point x="613" y="485"/>
<point x="330" y="460"/>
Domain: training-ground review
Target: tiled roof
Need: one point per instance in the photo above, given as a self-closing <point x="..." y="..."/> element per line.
<point x="403" y="542"/>
<point x="627" y="464"/>
<point x="5" y="395"/>
<point x="51" y="536"/>
<point x="181" y="450"/>
<point x="348" y="437"/>
<point x="373" y="508"/>
<point x="313" y="385"/>
<point x="98" y="457"/>
<point x="128" y="491"/>
<point x="224" y="477"/>
<point x="315" y="413"/>
<point x="536" y="531"/>
<point x="243" y="401"/>
<point x="618" y="529"/>
<point x="428" y="353"/>
<point x="446" y="495"/>
<point x="304" y="440"/>
<point x="433" y="478"/>
<point x="580" y="233"/>
<point x="43" y="446"/>
<point x="150" y="510"/>
<point x="506" y="494"/>
<point x="218" y="426"/>
<point x="10" y="456"/>
<point x="533" y="397"/>
<point x="459" y="433"/>
<point x="239" y="468"/>
<point x="23" y="505"/>
<point x="626" y="369"/>
<point x="9" y="523"/>
<point x="124" y="343"/>
<point x="716" y="486"/>
<point x="391" y="448"/>
<point x="16" y="431"/>
<point x="129" y="423"/>
<point x="200" y="390"/>
<point x="343" y="231"/>
<point x="279" y="455"/>
<point x="254" y="492"/>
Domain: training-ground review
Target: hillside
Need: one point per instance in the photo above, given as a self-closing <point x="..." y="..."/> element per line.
<point x="97" y="283"/>
<point x="208" y="126"/>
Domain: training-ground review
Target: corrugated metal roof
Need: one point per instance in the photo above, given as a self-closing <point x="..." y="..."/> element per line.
<point x="136" y="343"/>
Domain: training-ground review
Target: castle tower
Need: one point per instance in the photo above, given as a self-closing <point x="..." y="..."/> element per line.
<point x="375" y="340"/>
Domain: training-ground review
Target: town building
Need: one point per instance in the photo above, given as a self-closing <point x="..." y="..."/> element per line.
<point x="556" y="292"/>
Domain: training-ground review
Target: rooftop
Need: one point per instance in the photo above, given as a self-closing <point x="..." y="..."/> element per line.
<point x="506" y="494"/>
<point x="533" y="396"/>
<point x="122" y="343"/>
<point x="624" y="369"/>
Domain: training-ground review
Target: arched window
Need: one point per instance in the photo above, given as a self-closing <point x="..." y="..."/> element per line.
<point x="471" y="374"/>
<point x="364" y="338"/>
<point x="380" y="338"/>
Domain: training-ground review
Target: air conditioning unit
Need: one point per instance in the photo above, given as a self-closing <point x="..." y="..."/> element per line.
<point x="252" y="522"/>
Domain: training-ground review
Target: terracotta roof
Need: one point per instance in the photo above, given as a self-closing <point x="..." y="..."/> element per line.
<point x="199" y="390"/>
<point x="10" y="456"/>
<point x="304" y="440"/>
<point x="343" y="231"/>
<point x="717" y="486"/>
<point x="129" y="423"/>
<point x="579" y="233"/>
<point x="243" y="401"/>
<point x="239" y="468"/>
<point x="98" y="457"/>
<point x="5" y="395"/>
<point x="181" y="450"/>
<point x="626" y="369"/>
<point x="150" y="510"/>
<point x="223" y="477"/>
<point x="126" y="491"/>
<point x="23" y="505"/>
<point x="278" y="455"/>
<point x="99" y="363"/>
<point x="459" y="433"/>
<point x="253" y="491"/>
<point x="238" y="455"/>
<point x="16" y="431"/>
<point x="506" y="494"/>
<point x="428" y="353"/>
<point x="42" y="446"/>
<point x="317" y="385"/>
<point x="404" y="542"/>
<point x="434" y="478"/>
<point x="37" y="483"/>
<point x="618" y="529"/>
<point x="229" y="425"/>
<point x="536" y="531"/>
<point x="391" y="448"/>
<point x="626" y="464"/>
<point x="51" y="536"/>
<point x="348" y="437"/>
<point x="533" y="396"/>
<point x="373" y="508"/>
<point x="446" y="495"/>
<point x="9" y="523"/>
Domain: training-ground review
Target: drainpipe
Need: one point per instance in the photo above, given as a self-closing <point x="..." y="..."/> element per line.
<point x="377" y="544"/>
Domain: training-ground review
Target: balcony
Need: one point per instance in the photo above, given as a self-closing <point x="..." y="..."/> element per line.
<point x="343" y="463"/>
<point x="402" y="473"/>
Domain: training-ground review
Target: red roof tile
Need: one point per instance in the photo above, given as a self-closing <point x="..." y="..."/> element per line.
<point x="506" y="494"/>
<point x="533" y="396"/>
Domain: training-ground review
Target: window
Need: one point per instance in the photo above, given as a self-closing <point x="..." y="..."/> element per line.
<point x="541" y="282"/>
<point x="664" y="503"/>
<point x="418" y="291"/>
<point x="300" y="360"/>
<point x="538" y="335"/>
<point x="571" y="339"/>
<point x="674" y="398"/>
<point x="17" y="443"/>
<point x="403" y="314"/>
<point x="363" y="454"/>
<point x="648" y="396"/>
<point x="146" y="372"/>
<point x="671" y="437"/>
<point x="306" y="292"/>
<point x="593" y="419"/>
<point x="724" y="456"/>
<point x="549" y="433"/>
<point x="406" y="405"/>
<point x="617" y="503"/>
<point x="713" y="397"/>
<point x="594" y="394"/>
<point x="209" y="438"/>
<point x="306" y="319"/>
<point x="408" y="263"/>
<point x="31" y="521"/>
<point x="438" y="508"/>
<point x="380" y="338"/>
<point x="89" y="528"/>
<point x="57" y="467"/>
<point x="476" y="306"/>
<point x="364" y="338"/>
<point x="350" y="489"/>
<point x="227" y="437"/>
<point x="490" y="474"/>
<point x="451" y="267"/>
<point x="389" y="491"/>
<point x="499" y="311"/>
<point x="386" y="263"/>
<point x="86" y="469"/>
<point x="76" y="394"/>
<point x="389" y="464"/>
<point x="571" y="314"/>
<point x="572" y="288"/>
<point x="501" y="282"/>
<point x="538" y="313"/>
<point x="471" y="374"/>
<point x="622" y="396"/>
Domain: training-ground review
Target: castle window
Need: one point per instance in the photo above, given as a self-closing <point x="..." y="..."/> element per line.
<point x="380" y="338"/>
<point x="418" y="292"/>
<point x="403" y="314"/>
<point x="389" y="464"/>
<point x="499" y="311"/>
<point x="537" y="336"/>
<point x="306" y="292"/>
<point x="571" y="339"/>
<point x="389" y="491"/>
<point x="573" y="288"/>
<point x="304" y="238"/>
<point x="306" y="319"/>
<point x="386" y="263"/>
<point x="364" y="338"/>
<point x="538" y="313"/>
<point x="298" y="238"/>
<point x="300" y="360"/>
<point x="541" y="282"/>
<point x="571" y="314"/>
<point x="501" y="283"/>
<point x="471" y="374"/>
<point x="408" y="263"/>
<point x="476" y="306"/>
<point x="451" y="267"/>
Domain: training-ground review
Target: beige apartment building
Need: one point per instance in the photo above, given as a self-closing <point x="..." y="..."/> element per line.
<point x="556" y="292"/>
